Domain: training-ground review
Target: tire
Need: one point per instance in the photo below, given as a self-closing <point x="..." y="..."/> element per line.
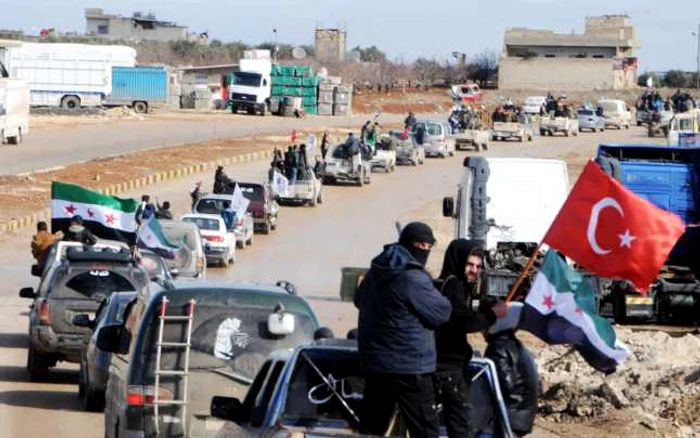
<point x="627" y="126"/>
<point x="249" y="242"/>
<point x="92" y="402"/>
<point x="320" y="198"/>
<point x="13" y="140"/>
<point x="521" y="139"/>
<point x="266" y="227"/>
<point x="81" y="383"/>
<point x="273" y="227"/>
<point x="566" y="133"/>
<point x="543" y="132"/>
<point x="140" y="107"/>
<point x="486" y="145"/>
<point x="224" y="263"/>
<point x="361" y="179"/>
<point x="37" y="365"/>
<point x="414" y="163"/>
<point x="477" y="147"/>
<point x="313" y="202"/>
<point x="234" y="109"/>
<point x="240" y="245"/>
<point x="263" y="111"/>
<point x="639" y="123"/>
<point x="70" y="103"/>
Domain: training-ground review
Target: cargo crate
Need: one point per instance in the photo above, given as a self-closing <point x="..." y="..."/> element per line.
<point x="289" y="81"/>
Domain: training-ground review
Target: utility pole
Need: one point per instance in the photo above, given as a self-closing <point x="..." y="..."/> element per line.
<point x="276" y="48"/>
<point x="697" y="68"/>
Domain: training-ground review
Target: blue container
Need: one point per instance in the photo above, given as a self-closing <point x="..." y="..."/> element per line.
<point x="131" y="84"/>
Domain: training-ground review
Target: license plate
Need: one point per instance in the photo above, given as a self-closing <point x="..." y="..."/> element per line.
<point x="639" y="301"/>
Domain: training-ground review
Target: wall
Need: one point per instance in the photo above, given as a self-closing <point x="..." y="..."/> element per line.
<point x="556" y="73"/>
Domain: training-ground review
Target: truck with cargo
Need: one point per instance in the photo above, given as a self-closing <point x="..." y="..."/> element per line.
<point x="250" y="86"/>
<point x="69" y="76"/>
<point x="140" y="88"/>
<point x="506" y="130"/>
<point x="14" y="110"/>
<point x="667" y="176"/>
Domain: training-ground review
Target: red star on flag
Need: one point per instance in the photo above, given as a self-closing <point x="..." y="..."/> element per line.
<point x="90" y="213"/>
<point x="109" y="218"/>
<point x="70" y="210"/>
<point x="548" y="302"/>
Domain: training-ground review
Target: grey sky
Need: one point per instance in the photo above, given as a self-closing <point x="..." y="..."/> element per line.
<point x="404" y="29"/>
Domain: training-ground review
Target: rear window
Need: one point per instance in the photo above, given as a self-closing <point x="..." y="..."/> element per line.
<point x="253" y="192"/>
<point x="204" y="223"/>
<point x="227" y="336"/>
<point x="430" y="128"/>
<point x="212" y="206"/>
<point x="585" y="112"/>
<point x="89" y="283"/>
<point x="182" y="236"/>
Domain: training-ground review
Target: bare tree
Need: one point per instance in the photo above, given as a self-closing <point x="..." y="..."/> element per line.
<point x="484" y="66"/>
<point x="427" y="70"/>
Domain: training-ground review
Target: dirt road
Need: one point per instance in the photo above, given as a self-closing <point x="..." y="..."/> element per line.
<point x="50" y="147"/>
<point x="308" y="249"/>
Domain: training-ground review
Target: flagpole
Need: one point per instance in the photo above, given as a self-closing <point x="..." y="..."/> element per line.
<point x="528" y="266"/>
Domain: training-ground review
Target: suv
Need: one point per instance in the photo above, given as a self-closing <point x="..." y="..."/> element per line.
<point x="262" y="206"/>
<point x="76" y="286"/>
<point x="182" y="342"/>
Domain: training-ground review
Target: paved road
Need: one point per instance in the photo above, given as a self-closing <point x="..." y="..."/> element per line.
<point x="308" y="249"/>
<point x="50" y="147"/>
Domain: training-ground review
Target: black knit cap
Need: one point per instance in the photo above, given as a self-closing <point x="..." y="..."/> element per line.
<point x="416" y="232"/>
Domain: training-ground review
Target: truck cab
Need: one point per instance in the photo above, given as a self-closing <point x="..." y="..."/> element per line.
<point x="508" y="203"/>
<point x="251" y="86"/>
<point x="667" y="176"/>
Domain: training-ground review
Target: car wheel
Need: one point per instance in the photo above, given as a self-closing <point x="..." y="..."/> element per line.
<point x="361" y="179"/>
<point x="37" y="365"/>
<point x="313" y="201"/>
<point x="249" y="242"/>
<point x="273" y="226"/>
<point x="320" y="198"/>
<point x="240" y="245"/>
<point x="224" y="263"/>
<point x="414" y="162"/>
<point x="266" y="227"/>
<point x="81" y="383"/>
<point x="92" y="402"/>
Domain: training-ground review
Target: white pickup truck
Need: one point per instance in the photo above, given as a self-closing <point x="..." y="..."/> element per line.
<point x="306" y="190"/>
<point x="505" y="130"/>
<point x="553" y="125"/>
<point x="478" y="138"/>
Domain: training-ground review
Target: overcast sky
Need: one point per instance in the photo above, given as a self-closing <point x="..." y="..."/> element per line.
<point x="403" y="28"/>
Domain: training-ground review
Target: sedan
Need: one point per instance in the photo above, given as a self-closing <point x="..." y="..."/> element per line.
<point x="589" y="120"/>
<point x="94" y="363"/>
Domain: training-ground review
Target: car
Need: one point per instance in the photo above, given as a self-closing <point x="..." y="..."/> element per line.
<point x="589" y="120"/>
<point x="94" y="363"/>
<point x="243" y="228"/>
<point x="683" y="123"/>
<point x="189" y="261"/>
<point x="616" y="113"/>
<point x="436" y="138"/>
<point x="263" y="206"/>
<point x="338" y="168"/>
<point x="407" y="150"/>
<point x="219" y="243"/>
<point x="183" y="342"/>
<point x="76" y="286"/>
<point x="306" y="190"/>
<point x="534" y="105"/>
<point x="317" y="389"/>
<point x="466" y="93"/>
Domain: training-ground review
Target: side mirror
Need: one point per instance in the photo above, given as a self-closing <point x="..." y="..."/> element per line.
<point x="226" y="408"/>
<point x="36" y="271"/>
<point x="448" y="207"/>
<point x="108" y="339"/>
<point x="27" y="292"/>
<point x="83" y="321"/>
<point x="280" y="323"/>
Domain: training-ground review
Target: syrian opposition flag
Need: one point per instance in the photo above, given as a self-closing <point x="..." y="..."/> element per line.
<point x="107" y="217"/>
<point x="613" y="232"/>
<point x="560" y="309"/>
<point x="152" y="238"/>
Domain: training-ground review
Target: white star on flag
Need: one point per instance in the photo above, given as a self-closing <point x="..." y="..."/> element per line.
<point x="626" y="239"/>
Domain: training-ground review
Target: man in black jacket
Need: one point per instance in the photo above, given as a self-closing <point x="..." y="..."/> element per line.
<point x="78" y="233"/>
<point x="461" y="269"/>
<point x="399" y="310"/>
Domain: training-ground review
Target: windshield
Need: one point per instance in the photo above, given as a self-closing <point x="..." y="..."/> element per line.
<point x="212" y="206"/>
<point x="585" y="112"/>
<point x="252" y="192"/>
<point x="180" y="235"/>
<point x="205" y="223"/>
<point x="99" y="281"/>
<point x="430" y="128"/>
<point x="228" y="335"/>
<point x="310" y="402"/>
<point x="609" y="107"/>
<point x="247" y="79"/>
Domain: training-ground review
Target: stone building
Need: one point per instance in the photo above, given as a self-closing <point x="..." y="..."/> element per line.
<point x="138" y="27"/>
<point x="603" y="57"/>
<point x="330" y="44"/>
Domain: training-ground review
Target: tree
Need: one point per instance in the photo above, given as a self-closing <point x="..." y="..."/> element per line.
<point x="370" y="54"/>
<point x="675" y="79"/>
<point x="427" y="70"/>
<point x="484" y="66"/>
<point x="644" y="77"/>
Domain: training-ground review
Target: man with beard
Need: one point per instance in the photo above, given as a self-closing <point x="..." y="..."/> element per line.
<point x="399" y="311"/>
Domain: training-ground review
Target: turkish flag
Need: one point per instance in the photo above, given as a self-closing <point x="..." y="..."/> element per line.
<point x="613" y="232"/>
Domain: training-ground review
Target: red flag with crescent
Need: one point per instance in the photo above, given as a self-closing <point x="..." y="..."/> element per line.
<point x="613" y="232"/>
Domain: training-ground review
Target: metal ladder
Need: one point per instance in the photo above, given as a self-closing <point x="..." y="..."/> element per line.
<point x="184" y="373"/>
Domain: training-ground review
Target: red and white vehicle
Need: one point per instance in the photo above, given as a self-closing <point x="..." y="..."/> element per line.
<point x="467" y="93"/>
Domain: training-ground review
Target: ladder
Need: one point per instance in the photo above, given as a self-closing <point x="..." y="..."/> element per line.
<point x="184" y="372"/>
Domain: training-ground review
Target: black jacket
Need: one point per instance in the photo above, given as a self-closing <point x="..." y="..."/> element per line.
<point x="78" y="233"/>
<point x="517" y="374"/>
<point x="399" y="309"/>
<point x="453" y="350"/>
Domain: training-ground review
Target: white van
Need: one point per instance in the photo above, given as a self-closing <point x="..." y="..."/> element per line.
<point x="14" y="110"/>
<point x="616" y="113"/>
<point x="686" y="123"/>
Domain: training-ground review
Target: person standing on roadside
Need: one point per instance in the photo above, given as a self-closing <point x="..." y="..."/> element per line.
<point x="325" y="141"/>
<point x="458" y="281"/>
<point x="399" y="309"/>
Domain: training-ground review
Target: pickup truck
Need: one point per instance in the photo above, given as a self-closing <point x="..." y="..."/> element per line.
<point x="307" y="190"/>
<point x="667" y="176"/>
<point x="317" y="390"/>
<point x="553" y="125"/>
<point x="338" y="168"/>
<point x="505" y="130"/>
<point x="385" y="155"/>
<point x="478" y="138"/>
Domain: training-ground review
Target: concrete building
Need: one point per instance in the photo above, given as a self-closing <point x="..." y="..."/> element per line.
<point x="331" y="44"/>
<point x="603" y="57"/>
<point x="138" y="27"/>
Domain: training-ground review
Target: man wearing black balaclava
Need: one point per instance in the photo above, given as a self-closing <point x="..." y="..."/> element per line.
<point x="399" y="310"/>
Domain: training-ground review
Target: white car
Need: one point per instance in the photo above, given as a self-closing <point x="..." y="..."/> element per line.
<point x="219" y="243"/>
<point x="243" y="228"/>
<point x="534" y="104"/>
